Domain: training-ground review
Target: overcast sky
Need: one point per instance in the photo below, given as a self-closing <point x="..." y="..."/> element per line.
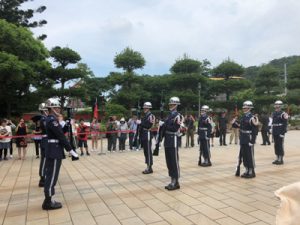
<point x="251" y="32"/>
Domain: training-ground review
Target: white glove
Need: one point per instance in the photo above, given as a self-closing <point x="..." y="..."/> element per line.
<point x="138" y="122"/>
<point x="161" y="123"/>
<point x="73" y="153"/>
<point x="281" y="135"/>
<point x="250" y="144"/>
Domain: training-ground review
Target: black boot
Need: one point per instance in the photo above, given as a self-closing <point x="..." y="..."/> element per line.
<point x="48" y="204"/>
<point x="251" y="173"/>
<point x="244" y="175"/>
<point x="238" y="171"/>
<point x="280" y="160"/>
<point x="42" y="182"/>
<point x="276" y="160"/>
<point x="148" y="170"/>
<point x="174" y="185"/>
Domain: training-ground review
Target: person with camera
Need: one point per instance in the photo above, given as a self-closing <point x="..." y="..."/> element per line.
<point x="54" y="153"/>
<point x="82" y="132"/>
<point x="122" y="134"/>
<point x="21" y="142"/>
<point x="5" y="132"/>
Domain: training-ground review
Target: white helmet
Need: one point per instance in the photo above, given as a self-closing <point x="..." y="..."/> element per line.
<point x="174" y="101"/>
<point x="247" y="104"/>
<point x="52" y="103"/>
<point x="42" y="107"/>
<point x="205" y="108"/>
<point x="147" y="105"/>
<point x="278" y="102"/>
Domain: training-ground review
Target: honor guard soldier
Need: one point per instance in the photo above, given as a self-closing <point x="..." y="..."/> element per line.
<point x="146" y="136"/>
<point x="248" y="126"/>
<point x="279" y="128"/>
<point x="54" y="153"/>
<point x="44" y="142"/>
<point x="204" y="132"/>
<point x="171" y="128"/>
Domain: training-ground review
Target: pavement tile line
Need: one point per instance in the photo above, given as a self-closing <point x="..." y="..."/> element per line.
<point x="114" y="184"/>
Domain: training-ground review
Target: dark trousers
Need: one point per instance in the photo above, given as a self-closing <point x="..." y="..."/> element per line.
<point x="11" y="147"/>
<point x="112" y="142"/>
<point x="122" y="140"/>
<point x="1" y="152"/>
<point x="222" y="137"/>
<point x="131" y="136"/>
<point x="42" y="168"/>
<point x="278" y="145"/>
<point x="265" y="137"/>
<point x="172" y="160"/>
<point x="52" y="171"/>
<point x="147" y="143"/>
<point x="37" y="144"/>
<point x="190" y="135"/>
<point x="247" y="155"/>
<point x="204" y="149"/>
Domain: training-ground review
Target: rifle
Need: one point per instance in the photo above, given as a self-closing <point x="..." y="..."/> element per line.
<point x="240" y="159"/>
<point x="137" y="132"/>
<point x="70" y="132"/>
<point x="160" y="132"/>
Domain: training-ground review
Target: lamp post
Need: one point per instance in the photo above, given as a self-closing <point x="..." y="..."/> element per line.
<point x="199" y="96"/>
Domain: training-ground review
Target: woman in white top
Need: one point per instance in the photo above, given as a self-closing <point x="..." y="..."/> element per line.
<point x="5" y="131"/>
<point x="122" y="134"/>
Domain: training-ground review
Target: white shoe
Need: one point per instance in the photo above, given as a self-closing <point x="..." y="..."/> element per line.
<point x="11" y="156"/>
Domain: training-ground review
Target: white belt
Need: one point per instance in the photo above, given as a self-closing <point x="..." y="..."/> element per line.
<point x="202" y="128"/>
<point x="277" y="124"/>
<point x="246" y="131"/>
<point x="53" y="141"/>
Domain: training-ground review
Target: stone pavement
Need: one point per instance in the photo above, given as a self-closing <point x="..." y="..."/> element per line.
<point x="110" y="189"/>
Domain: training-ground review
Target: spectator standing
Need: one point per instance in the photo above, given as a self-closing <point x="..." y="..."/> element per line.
<point x="264" y="119"/>
<point x="222" y="125"/>
<point x="82" y="132"/>
<point x="5" y="132"/>
<point x="235" y="125"/>
<point x="21" y="142"/>
<point x="37" y="139"/>
<point x="213" y="130"/>
<point x="95" y="130"/>
<point x="12" y="127"/>
<point x="111" y="128"/>
<point x="189" y="124"/>
<point x="122" y="134"/>
<point x="132" y="127"/>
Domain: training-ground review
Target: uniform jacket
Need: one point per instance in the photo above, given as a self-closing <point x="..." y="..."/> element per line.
<point x="204" y="127"/>
<point x="146" y="124"/>
<point x="44" y="140"/>
<point x="57" y="141"/>
<point x="248" y="129"/>
<point x="171" y="129"/>
<point x="279" y="124"/>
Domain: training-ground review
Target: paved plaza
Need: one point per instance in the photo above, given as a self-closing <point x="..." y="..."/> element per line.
<point x="110" y="189"/>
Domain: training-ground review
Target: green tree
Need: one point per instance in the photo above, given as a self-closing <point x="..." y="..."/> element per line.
<point x="22" y="60"/>
<point x="62" y="74"/>
<point x="129" y="60"/>
<point x="267" y="80"/>
<point x="294" y="83"/>
<point x="13" y="12"/>
<point x="187" y="65"/>
<point x="228" y="69"/>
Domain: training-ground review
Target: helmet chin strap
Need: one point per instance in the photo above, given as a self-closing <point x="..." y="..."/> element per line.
<point x="55" y="112"/>
<point x="247" y="110"/>
<point x="172" y="108"/>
